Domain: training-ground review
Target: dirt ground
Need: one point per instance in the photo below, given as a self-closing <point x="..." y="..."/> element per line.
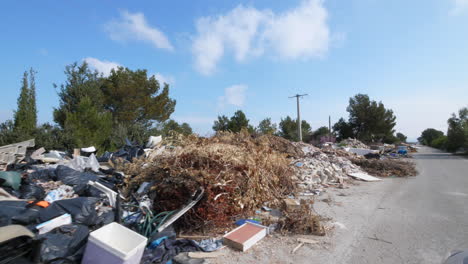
<point x="350" y="210"/>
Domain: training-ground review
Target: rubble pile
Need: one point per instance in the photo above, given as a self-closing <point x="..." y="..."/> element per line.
<point x="238" y="173"/>
<point x="387" y="167"/>
<point x="319" y="167"/>
<point x="353" y="143"/>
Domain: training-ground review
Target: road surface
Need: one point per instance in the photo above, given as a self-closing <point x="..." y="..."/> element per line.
<point x="397" y="220"/>
<point x="420" y="221"/>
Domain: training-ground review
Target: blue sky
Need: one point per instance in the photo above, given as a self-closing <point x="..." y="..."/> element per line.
<point x="220" y="56"/>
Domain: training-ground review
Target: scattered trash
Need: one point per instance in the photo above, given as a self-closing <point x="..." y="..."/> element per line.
<point x="245" y="236"/>
<point x="60" y="193"/>
<point x="364" y="176"/>
<point x="10" y="179"/>
<point x="243" y="221"/>
<point x="45" y="227"/>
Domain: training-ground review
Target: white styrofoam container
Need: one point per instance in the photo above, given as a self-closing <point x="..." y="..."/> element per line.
<point x="114" y="243"/>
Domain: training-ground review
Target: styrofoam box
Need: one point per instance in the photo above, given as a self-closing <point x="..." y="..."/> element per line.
<point x="114" y="243"/>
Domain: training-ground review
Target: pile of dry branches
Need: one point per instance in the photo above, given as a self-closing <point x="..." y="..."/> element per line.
<point x="387" y="167"/>
<point x="239" y="174"/>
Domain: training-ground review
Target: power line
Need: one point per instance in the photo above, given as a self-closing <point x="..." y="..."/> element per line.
<point x="299" y="123"/>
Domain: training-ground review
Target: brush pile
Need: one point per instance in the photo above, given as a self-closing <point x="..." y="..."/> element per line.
<point x="239" y="174"/>
<point x="386" y="167"/>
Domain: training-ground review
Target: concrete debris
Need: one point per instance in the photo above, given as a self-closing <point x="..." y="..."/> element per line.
<point x="353" y="143"/>
<point x="14" y="153"/>
<point x="364" y="177"/>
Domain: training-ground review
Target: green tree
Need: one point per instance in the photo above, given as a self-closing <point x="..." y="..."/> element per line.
<point x="171" y="126"/>
<point x="236" y="123"/>
<point x="428" y="135"/>
<point x="133" y="97"/>
<point x="401" y="137"/>
<point x="80" y="82"/>
<point x="222" y="124"/>
<point x="266" y="127"/>
<point x="25" y="117"/>
<point x="343" y="130"/>
<point x="88" y="126"/>
<point x="457" y="133"/>
<point x="370" y="121"/>
<point x="7" y="133"/>
<point x="52" y="137"/>
<point x="320" y="133"/>
<point x="288" y="129"/>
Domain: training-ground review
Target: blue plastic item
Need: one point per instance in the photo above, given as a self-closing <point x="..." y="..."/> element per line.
<point x="243" y="221"/>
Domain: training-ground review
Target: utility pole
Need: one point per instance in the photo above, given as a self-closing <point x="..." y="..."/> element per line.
<point x="299" y="123"/>
<point x="329" y="129"/>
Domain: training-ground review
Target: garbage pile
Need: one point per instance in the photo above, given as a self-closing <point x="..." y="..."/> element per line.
<point x="353" y="143"/>
<point x="136" y="200"/>
<point x="239" y="174"/>
<point x="319" y="167"/>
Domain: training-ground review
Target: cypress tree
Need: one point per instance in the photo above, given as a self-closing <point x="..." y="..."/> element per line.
<point x="32" y="97"/>
<point x="25" y="116"/>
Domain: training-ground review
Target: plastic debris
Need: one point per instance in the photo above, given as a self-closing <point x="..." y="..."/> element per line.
<point x="47" y="226"/>
<point x="10" y="179"/>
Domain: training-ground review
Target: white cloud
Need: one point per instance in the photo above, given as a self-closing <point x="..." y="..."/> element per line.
<point x="164" y="79"/>
<point x="459" y="6"/>
<point x="299" y="33"/>
<point x="104" y="67"/>
<point x="133" y="26"/>
<point x="233" y="95"/>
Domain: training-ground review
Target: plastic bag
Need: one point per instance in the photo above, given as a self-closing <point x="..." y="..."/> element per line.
<point x="43" y="175"/>
<point x="65" y="243"/>
<point x="32" y="192"/>
<point x="79" y="180"/>
<point x="82" y="209"/>
<point x="18" y="212"/>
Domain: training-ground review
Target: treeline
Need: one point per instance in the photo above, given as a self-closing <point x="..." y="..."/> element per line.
<point x="368" y="121"/>
<point x="104" y="111"/>
<point x="457" y="134"/>
<point x="96" y="110"/>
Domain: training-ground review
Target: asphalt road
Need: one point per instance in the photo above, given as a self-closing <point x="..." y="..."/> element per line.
<point x="420" y="220"/>
<point x="397" y="220"/>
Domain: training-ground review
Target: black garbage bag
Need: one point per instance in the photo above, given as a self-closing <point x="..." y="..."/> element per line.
<point x="31" y="191"/>
<point x="168" y="249"/>
<point x="82" y="210"/>
<point x="79" y="180"/>
<point x="18" y="212"/>
<point x="64" y="244"/>
<point x="43" y="175"/>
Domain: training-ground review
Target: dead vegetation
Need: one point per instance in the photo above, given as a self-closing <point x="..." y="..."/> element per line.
<point x="386" y="167"/>
<point x="238" y="173"/>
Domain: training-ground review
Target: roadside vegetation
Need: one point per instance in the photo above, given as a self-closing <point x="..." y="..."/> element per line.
<point x="456" y="139"/>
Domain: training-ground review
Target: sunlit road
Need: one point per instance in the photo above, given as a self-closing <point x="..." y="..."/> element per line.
<point x="422" y="220"/>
